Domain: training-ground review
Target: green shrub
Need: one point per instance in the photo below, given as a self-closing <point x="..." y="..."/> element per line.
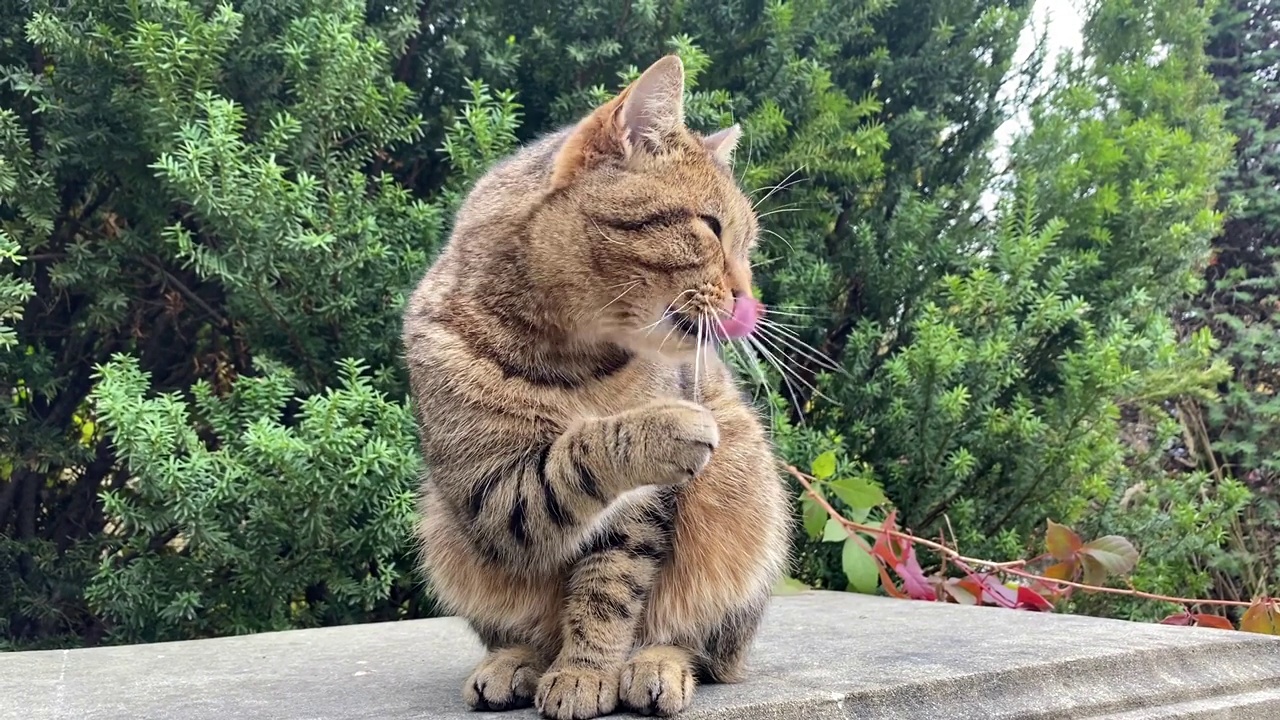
<point x="190" y="186"/>
<point x="265" y="525"/>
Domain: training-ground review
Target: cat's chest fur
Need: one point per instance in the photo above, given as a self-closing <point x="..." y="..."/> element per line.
<point x="640" y="383"/>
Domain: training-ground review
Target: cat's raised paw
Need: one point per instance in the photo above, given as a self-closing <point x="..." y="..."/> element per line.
<point x="505" y="680"/>
<point x="679" y="439"/>
<point x="657" y="681"/>
<point x="577" y="693"/>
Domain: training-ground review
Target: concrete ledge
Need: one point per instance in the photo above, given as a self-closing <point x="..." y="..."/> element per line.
<point x="821" y="656"/>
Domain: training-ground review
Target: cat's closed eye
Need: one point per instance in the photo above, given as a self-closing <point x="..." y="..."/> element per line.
<point x="712" y="223"/>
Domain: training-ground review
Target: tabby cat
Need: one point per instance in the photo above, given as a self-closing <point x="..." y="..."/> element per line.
<point x="600" y="503"/>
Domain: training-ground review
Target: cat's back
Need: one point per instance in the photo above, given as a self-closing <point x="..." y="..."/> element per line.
<point x="491" y="216"/>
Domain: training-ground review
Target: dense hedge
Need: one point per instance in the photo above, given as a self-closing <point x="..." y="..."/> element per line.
<point x="210" y="215"/>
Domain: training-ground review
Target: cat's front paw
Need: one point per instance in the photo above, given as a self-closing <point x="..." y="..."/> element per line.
<point x="657" y="682"/>
<point x="677" y="442"/>
<point x="505" y="680"/>
<point x="577" y="693"/>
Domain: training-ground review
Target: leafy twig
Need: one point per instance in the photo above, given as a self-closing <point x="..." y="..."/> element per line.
<point x="966" y="564"/>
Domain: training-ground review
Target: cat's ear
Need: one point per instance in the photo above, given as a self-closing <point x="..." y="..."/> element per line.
<point x="638" y="119"/>
<point x="722" y="144"/>
<point x="654" y="104"/>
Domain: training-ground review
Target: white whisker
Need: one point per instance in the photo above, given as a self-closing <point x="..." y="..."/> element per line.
<point x="606" y="237"/>
<point x="630" y="287"/>
<point x="742" y="351"/>
<point x="668" y="313"/>
<point x="762" y="382"/>
<point x="666" y="337"/>
<point x="775" y="211"/>
<point x="697" y="358"/>
<point x="776" y="188"/>
<point x="769" y="358"/>
<point x="806" y="383"/>
<point x="784" y="337"/>
<point x="788" y="325"/>
<point x="790" y="311"/>
<point x="784" y="240"/>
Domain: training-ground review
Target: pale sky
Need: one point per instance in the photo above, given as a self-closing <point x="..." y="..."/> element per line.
<point x="1060" y="21"/>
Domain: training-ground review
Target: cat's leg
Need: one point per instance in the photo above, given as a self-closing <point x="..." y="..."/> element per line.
<point x="515" y="615"/>
<point x="527" y="501"/>
<point x="724" y="652"/>
<point x="604" y="604"/>
<point x="659" y="679"/>
<point x="729" y="547"/>
<point x="502" y="543"/>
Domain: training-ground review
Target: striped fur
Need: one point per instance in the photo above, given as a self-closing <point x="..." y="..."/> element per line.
<point x="600" y="503"/>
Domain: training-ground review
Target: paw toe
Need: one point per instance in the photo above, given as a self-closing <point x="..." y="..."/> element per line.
<point x="656" y="687"/>
<point x="501" y="683"/>
<point x="577" y="694"/>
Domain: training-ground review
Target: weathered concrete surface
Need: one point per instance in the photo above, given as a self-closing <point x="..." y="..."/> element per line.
<point x="821" y="656"/>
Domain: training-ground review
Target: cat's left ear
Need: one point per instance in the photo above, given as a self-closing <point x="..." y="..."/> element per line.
<point x="653" y="106"/>
<point x="722" y="144"/>
<point x="639" y="119"/>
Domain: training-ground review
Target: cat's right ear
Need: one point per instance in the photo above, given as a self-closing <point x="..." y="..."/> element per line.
<point x="639" y="119"/>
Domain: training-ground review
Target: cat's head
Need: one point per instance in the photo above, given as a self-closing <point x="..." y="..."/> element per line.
<point x="648" y="226"/>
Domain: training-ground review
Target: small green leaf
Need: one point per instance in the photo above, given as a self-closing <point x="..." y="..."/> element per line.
<point x="859" y="567"/>
<point x="1094" y="572"/>
<point x="1114" y="554"/>
<point x="834" y="531"/>
<point x="824" y="466"/>
<point x="815" y="518"/>
<point x="858" y="514"/>
<point x="858" y="493"/>
<point x="789" y="586"/>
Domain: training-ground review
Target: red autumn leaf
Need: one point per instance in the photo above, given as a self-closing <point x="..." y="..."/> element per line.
<point x="963" y="595"/>
<point x="1029" y="599"/>
<point x="913" y="578"/>
<point x="1062" y="542"/>
<point x="1213" y="621"/>
<point x="994" y="591"/>
<point x="1048" y="589"/>
<point x="990" y="589"/>
<point x="886" y="582"/>
<point x="900" y="555"/>
<point x="1262" y="617"/>
<point x="884" y="546"/>
<point x="971" y="586"/>
<point x="1202" y="619"/>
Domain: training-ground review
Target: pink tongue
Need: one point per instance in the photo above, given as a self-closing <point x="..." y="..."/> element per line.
<point x="746" y="312"/>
